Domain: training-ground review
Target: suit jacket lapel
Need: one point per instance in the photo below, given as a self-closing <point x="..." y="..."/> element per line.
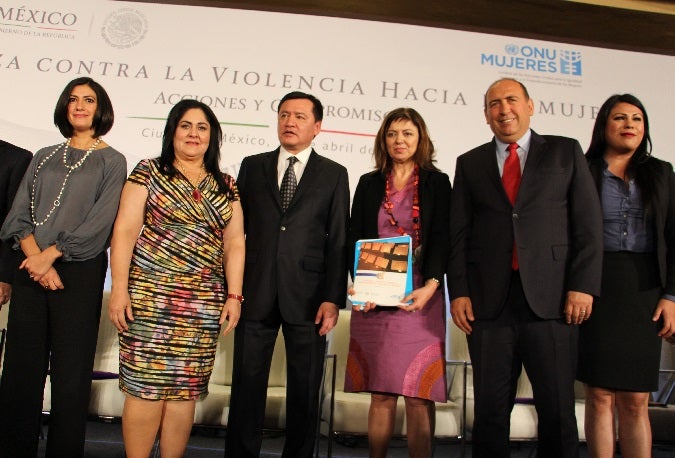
<point x="489" y="153"/>
<point x="537" y="143"/>
<point x="270" y="172"/>
<point x="534" y="155"/>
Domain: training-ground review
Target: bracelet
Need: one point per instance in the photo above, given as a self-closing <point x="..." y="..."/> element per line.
<point x="438" y="282"/>
<point x="236" y="297"/>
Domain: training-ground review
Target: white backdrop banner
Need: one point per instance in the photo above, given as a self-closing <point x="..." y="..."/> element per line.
<point x="149" y="56"/>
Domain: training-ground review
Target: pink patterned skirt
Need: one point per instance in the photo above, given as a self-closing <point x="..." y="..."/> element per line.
<point x="398" y="352"/>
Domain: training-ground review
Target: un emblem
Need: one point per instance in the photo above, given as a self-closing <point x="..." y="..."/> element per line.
<point x="512" y="49"/>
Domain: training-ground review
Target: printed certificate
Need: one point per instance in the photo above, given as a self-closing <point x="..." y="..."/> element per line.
<point x="382" y="271"/>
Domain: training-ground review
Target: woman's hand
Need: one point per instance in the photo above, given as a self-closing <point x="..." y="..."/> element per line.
<point x="51" y="280"/>
<point x="367" y="307"/>
<point x="665" y="309"/>
<point x="37" y="265"/>
<point x="231" y="312"/>
<point x="119" y="310"/>
<point x="419" y="297"/>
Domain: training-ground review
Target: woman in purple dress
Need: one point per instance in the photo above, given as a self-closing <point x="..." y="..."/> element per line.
<point x="400" y="351"/>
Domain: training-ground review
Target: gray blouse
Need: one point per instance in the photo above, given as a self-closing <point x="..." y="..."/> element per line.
<point x="81" y="225"/>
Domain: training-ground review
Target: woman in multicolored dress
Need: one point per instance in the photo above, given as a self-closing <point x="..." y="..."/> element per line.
<point x="176" y="283"/>
<point x="61" y="221"/>
<point x="401" y="351"/>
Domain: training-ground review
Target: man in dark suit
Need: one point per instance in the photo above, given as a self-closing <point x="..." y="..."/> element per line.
<point x="13" y="164"/>
<point x="295" y="277"/>
<point x="525" y="263"/>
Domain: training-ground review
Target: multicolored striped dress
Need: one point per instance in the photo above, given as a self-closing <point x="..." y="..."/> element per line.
<point x="177" y="287"/>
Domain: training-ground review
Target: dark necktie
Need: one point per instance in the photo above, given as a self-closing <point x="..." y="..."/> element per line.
<point x="511" y="182"/>
<point x="288" y="184"/>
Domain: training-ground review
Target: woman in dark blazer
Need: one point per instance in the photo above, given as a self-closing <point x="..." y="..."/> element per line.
<point x="395" y="351"/>
<point x="620" y="344"/>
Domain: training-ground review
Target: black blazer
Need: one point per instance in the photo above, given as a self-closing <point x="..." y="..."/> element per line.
<point x="13" y="164"/>
<point x="434" y="193"/>
<point x="664" y="217"/>
<point x="556" y="222"/>
<point x="298" y="257"/>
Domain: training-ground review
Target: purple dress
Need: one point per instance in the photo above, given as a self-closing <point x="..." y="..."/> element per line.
<point x="392" y="350"/>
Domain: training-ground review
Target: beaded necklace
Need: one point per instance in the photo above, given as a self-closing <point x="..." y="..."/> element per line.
<point x="388" y="206"/>
<point x="71" y="168"/>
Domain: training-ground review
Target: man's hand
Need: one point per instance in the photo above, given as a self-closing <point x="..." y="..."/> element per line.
<point x="327" y="315"/>
<point x="578" y="307"/>
<point x="462" y="313"/>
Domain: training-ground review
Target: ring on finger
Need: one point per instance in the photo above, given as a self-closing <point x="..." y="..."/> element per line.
<point x="362" y="307"/>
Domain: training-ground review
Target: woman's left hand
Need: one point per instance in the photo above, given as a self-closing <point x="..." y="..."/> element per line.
<point x="366" y="307"/>
<point x="231" y="313"/>
<point x="665" y="309"/>
<point x="419" y="297"/>
<point x="51" y="280"/>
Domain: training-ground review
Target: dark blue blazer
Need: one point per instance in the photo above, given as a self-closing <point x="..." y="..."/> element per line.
<point x="556" y="222"/>
<point x="297" y="257"/>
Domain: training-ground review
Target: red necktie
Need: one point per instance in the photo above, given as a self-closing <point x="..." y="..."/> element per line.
<point x="511" y="182"/>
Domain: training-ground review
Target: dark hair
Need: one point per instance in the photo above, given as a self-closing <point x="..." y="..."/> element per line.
<point x="317" y="108"/>
<point x="212" y="155"/>
<point x="423" y="157"/>
<point x="639" y="166"/>
<point x="103" y="118"/>
<point x="501" y="80"/>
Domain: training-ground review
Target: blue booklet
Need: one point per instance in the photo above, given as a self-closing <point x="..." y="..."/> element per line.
<point x="382" y="271"/>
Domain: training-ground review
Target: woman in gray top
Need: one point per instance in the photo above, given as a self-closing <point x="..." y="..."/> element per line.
<point x="61" y="220"/>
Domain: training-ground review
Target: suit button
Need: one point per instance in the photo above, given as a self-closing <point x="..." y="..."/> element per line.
<point x="514" y="216"/>
<point x="283" y="228"/>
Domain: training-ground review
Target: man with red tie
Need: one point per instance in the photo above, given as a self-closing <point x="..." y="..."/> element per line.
<point x="526" y="237"/>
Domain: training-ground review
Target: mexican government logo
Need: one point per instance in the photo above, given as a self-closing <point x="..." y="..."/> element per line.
<point x="124" y="28"/>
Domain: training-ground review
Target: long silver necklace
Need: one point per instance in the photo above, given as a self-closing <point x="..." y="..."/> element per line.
<point x="71" y="168"/>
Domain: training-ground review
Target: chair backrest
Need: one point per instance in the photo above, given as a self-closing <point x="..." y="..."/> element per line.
<point x="222" y="367"/>
<point x="107" y="345"/>
<point x="668" y="356"/>
<point x="3" y="331"/>
<point x="666" y="392"/>
<point x="3" y="316"/>
<point x="458" y="350"/>
<point x="338" y="345"/>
